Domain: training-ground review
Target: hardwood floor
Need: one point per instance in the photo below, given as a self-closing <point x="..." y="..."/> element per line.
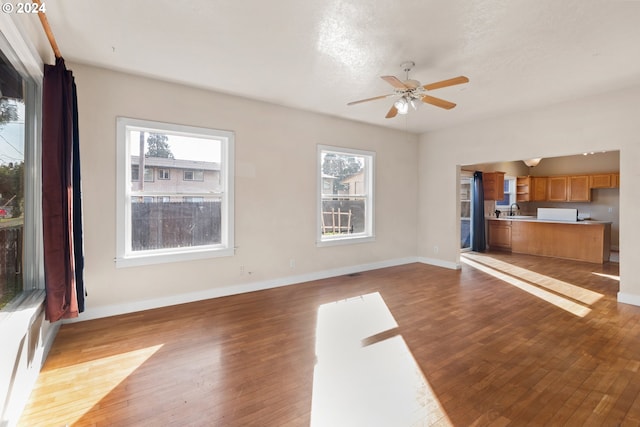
<point x="412" y="345"/>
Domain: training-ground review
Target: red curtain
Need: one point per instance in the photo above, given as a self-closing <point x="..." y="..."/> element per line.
<point x="61" y="197"/>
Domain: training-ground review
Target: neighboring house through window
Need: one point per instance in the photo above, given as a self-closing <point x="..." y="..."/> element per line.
<point x="345" y="195"/>
<point x="187" y="212"/>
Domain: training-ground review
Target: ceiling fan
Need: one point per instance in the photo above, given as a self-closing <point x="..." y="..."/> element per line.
<point x="411" y="92"/>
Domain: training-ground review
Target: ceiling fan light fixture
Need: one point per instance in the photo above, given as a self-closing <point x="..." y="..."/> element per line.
<point x="402" y="105"/>
<point x="532" y="162"/>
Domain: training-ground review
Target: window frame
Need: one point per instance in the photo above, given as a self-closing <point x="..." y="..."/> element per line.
<point x="161" y="174"/>
<point x="149" y="174"/>
<point x="369" y="173"/>
<point x="509" y="194"/>
<point x="193" y="173"/>
<point x="24" y="58"/>
<point x="125" y="256"/>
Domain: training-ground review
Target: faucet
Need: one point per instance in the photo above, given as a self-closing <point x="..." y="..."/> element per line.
<point x="511" y="212"/>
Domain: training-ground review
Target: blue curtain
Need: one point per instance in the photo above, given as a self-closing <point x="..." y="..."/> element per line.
<point x="478" y="241"/>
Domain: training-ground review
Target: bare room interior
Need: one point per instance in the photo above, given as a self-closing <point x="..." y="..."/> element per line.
<point x="337" y="213"/>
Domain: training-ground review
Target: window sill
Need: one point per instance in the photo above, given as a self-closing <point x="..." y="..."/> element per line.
<point x="346" y="241"/>
<point x="21" y="310"/>
<point x="151" y="259"/>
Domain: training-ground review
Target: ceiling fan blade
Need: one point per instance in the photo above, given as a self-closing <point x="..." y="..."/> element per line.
<point x="392" y="112"/>
<point x="395" y="82"/>
<point x="444" y="83"/>
<point x="438" y="102"/>
<point x="370" y="99"/>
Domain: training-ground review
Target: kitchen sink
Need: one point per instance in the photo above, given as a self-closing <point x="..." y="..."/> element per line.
<point x="519" y="217"/>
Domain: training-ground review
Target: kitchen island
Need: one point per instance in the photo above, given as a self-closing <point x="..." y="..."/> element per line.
<point x="588" y="241"/>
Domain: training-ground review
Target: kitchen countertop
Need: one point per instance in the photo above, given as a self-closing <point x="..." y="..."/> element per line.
<point x="534" y="219"/>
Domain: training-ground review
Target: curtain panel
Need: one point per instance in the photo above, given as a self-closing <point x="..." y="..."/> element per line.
<point x="478" y="240"/>
<point x="61" y="195"/>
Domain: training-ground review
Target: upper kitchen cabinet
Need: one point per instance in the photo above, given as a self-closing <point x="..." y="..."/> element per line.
<point x="538" y="188"/>
<point x="493" y="185"/>
<point x="605" y="180"/>
<point x="574" y="188"/>
<point x="523" y="189"/>
<point x="579" y="189"/>
<point x="557" y="188"/>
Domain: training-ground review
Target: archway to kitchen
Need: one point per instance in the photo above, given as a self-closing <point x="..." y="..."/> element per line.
<point x="604" y="200"/>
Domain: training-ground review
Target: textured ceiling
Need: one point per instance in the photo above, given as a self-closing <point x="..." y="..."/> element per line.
<point x="318" y="55"/>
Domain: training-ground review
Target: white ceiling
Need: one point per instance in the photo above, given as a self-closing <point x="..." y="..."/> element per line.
<point x="318" y="55"/>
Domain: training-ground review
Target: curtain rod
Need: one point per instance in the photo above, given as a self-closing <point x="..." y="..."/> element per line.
<point x="47" y="30"/>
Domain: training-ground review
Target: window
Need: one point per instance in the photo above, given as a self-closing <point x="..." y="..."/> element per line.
<point x="20" y="196"/>
<point x="148" y="174"/>
<point x="193" y="175"/>
<point x="161" y="221"/>
<point x="345" y="195"/>
<point x="164" y="174"/>
<point x="509" y="194"/>
<point x="135" y="173"/>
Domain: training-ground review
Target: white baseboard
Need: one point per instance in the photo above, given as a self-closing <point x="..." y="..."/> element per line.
<point x="632" y="299"/>
<point x="440" y="263"/>
<point x="130" y="307"/>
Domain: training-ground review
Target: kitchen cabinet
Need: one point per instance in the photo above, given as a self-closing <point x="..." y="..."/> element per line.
<point x="563" y="188"/>
<point x="493" y="185"/>
<point x="523" y="189"/>
<point x="578" y="188"/>
<point x="605" y="180"/>
<point x="538" y="189"/>
<point x="581" y="241"/>
<point x="557" y="188"/>
<point x="574" y="188"/>
<point x="500" y="234"/>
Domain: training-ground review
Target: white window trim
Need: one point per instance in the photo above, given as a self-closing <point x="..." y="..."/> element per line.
<point x="127" y="258"/>
<point x="346" y="239"/>
<point x="25" y="57"/>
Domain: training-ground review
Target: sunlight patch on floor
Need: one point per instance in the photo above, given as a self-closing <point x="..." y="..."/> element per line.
<point x="83" y="385"/>
<point x="574" y="292"/>
<point x="608" y="276"/>
<point x="557" y="300"/>
<point x="365" y="374"/>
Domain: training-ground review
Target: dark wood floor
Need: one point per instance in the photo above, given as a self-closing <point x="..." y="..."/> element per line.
<point x="446" y="348"/>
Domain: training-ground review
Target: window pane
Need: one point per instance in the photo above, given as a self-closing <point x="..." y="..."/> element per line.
<point x="148" y="174"/>
<point x="346" y="192"/>
<point x="175" y="224"/>
<point x="12" y="142"/>
<point x="184" y="206"/>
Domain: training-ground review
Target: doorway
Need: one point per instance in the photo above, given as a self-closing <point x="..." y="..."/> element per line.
<point x="466" y="180"/>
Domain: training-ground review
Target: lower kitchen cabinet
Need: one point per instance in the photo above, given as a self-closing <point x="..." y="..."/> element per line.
<point x="581" y="241"/>
<point x="500" y="234"/>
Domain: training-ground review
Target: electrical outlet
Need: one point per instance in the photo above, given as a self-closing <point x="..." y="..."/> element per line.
<point x="292" y="263"/>
<point x="436" y="249"/>
<point x="242" y="270"/>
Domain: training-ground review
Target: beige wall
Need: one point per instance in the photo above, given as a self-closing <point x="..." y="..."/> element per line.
<point x="275" y="215"/>
<point x="605" y="122"/>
